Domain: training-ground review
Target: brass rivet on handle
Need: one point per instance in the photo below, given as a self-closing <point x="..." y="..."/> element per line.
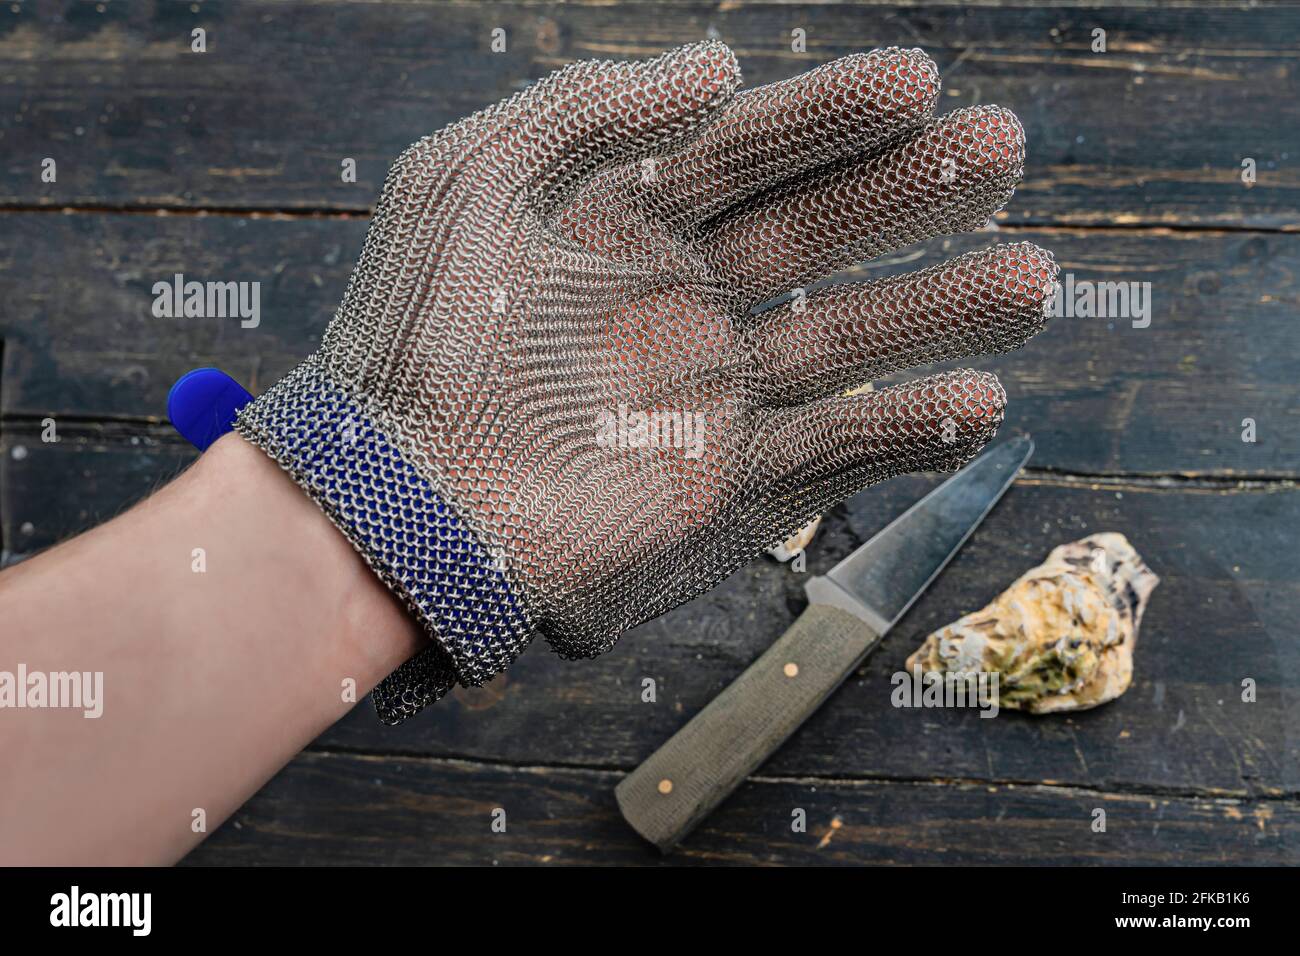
<point x="791" y="669"/>
<point x="665" y="786"/>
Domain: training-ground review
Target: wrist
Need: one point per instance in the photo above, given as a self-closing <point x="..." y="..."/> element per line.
<point x="349" y="624"/>
<point x="357" y="463"/>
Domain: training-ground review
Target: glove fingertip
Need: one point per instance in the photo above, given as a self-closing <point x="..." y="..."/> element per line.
<point x="693" y="81"/>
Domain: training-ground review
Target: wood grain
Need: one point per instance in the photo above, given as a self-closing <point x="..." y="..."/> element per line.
<point x="405" y="811"/>
<point x="1152" y="131"/>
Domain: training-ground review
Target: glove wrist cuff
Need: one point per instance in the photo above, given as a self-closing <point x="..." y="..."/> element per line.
<point x="335" y="448"/>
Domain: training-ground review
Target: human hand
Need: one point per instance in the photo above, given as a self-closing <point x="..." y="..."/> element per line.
<point x="546" y="402"/>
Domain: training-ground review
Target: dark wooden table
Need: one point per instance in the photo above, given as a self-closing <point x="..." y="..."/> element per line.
<point x="225" y="165"/>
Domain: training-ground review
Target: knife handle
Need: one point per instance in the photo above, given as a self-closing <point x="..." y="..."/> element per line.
<point x="706" y="760"/>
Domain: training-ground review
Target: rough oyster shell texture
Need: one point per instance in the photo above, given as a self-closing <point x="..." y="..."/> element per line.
<point x="1061" y="637"/>
<point x="791" y="546"/>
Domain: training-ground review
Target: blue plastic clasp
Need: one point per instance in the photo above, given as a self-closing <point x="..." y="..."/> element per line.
<point x="202" y="405"/>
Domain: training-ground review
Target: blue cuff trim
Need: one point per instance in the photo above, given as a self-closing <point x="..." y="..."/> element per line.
<point x="405" y="530"/>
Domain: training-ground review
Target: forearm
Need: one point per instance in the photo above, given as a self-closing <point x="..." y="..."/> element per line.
<point x="212" y="679"/>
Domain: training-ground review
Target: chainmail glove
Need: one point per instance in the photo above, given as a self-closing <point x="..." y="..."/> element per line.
<point x="549" y="402"/>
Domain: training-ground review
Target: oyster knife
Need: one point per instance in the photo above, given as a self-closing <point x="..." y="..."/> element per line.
<point x="850" y="609"/>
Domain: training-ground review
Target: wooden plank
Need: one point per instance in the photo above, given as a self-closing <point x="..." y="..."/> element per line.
<point x="1097" y="394"/>
<point x="1154" y="130"/>
<point x="49" y="492"/>
<point x="80" y="336"/>
<point x="1224" y="611"/>
<point x="351" y="809"/>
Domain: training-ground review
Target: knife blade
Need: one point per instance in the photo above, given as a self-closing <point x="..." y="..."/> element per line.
<point x="850" y="609"/>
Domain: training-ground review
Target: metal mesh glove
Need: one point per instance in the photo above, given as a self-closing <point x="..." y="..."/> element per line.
<point x="548" y="402"/>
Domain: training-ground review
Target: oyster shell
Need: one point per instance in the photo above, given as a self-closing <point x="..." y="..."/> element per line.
<point x="1061" y="637"/>
<point x="791" y="546"/>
